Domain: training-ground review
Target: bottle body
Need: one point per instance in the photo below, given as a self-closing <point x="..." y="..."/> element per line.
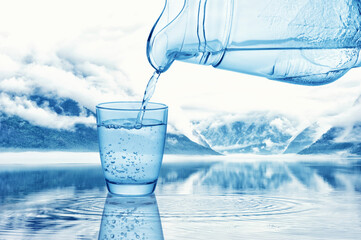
<point x="308" y="42"/>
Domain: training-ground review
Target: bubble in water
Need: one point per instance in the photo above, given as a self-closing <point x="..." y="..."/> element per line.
<point x="130" y="153"/>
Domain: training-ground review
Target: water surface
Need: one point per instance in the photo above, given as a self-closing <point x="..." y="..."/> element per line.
<point x="241" y="198"/>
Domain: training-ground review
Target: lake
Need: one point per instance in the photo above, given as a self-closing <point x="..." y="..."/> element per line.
<point x="63" y="196"/>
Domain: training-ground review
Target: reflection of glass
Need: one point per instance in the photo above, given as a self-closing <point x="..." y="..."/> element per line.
<point x="131" y="218"/>
<point x="131" y="154"/>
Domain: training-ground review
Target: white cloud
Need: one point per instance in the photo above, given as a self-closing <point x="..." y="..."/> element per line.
<point x="15" y="85"/>
<point x="8" y="66"/>
<point x="22" y="107"/>
<point x="284" y="125"/>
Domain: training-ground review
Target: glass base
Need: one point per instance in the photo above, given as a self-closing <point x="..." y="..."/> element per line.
<point x="131" y="189"/>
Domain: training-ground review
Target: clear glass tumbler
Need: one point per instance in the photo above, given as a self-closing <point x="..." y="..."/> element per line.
<point x="131" y="154"/>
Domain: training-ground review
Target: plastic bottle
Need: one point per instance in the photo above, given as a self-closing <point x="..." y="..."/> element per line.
<point x="308" y="42"/>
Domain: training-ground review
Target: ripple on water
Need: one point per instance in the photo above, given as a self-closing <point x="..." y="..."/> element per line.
<point x="234" y="207"/>
<point x="90" y="206"/>
<point x="61" y="216"/>
<point x="81" y="215"/>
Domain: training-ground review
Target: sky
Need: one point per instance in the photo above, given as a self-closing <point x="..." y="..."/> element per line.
<point x="95" y="51"/>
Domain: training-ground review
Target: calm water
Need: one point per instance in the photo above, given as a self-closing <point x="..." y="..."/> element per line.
<point x="240" y="198"/>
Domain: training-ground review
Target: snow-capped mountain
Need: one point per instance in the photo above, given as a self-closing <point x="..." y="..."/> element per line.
<point x="304" y="139"/>
<point x="267" y="133"/>
<point x="261" y="133"/>
<point x="337" y="140"/>
<point x="343" y="134"/>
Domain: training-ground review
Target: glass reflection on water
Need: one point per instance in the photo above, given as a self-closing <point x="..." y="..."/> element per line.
<point x="131" y="218"/>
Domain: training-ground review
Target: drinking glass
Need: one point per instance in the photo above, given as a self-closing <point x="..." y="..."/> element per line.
<point x="131" y="145"/>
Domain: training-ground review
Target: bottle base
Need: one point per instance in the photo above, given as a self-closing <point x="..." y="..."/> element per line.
<point x="121" y="189"/>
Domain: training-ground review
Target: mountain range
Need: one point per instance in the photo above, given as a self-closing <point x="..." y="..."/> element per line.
<point x="260" y="133"/>
<point x="267" y="133"/>
<point x="257" y="133"/>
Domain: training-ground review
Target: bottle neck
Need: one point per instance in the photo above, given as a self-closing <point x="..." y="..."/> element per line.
<point x="163" y="40"/>
<point x="196" y="31"/>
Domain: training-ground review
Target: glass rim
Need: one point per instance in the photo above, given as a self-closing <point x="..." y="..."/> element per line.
<point x="159" y="106"/>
